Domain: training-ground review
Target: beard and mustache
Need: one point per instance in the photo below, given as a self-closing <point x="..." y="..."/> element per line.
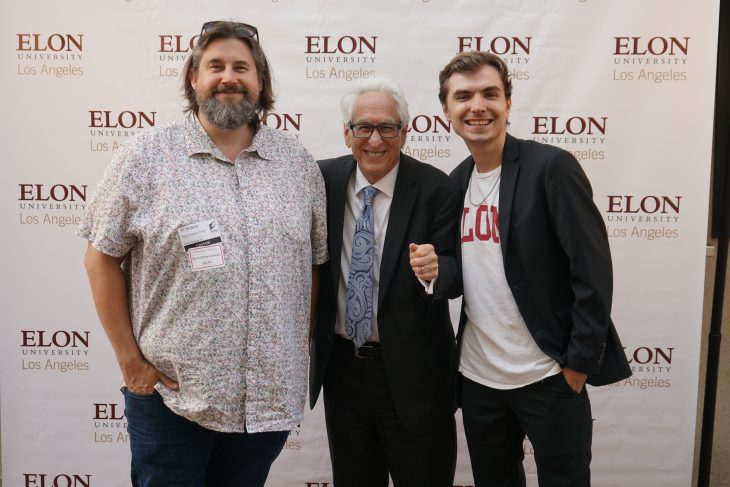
<point x="228" y="116"/>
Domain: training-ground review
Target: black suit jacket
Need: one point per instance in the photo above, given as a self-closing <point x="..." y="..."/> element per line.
<point x="416" y="335"/>
<point x="556" y="258"/>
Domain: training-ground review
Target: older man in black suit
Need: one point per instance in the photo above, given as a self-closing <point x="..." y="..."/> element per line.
<point x="383" y="340"/>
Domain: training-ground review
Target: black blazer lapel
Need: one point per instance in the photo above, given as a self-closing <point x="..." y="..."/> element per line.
<point x="404" y="196"/>
<point x="465" y="175"/>
<point x="336" y="215"/>
<point x="461" y="175"/>
<point x="510" y="171"/>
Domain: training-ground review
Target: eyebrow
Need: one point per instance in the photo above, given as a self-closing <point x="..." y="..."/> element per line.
<point x="491" y="88"/>
<point x="220" y="61"/>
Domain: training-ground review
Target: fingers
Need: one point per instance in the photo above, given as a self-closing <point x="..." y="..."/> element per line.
<point x="422" y="255"/>
<point x="424" y="261"/>
<point x="427" y="273"/>
<point x="421" y="250"/>
<point x="169" y="383"/>
<point x="140" y="378"/>
<point x="141" y="384"/>
<point x="576" y="380"/>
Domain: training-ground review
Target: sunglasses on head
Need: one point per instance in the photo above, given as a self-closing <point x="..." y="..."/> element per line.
<point x="248" y="30"/>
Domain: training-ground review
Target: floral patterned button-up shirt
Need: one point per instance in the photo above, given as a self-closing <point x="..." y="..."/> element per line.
<point x="235" y="336"/>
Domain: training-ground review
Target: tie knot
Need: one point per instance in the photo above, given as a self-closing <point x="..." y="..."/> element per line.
<point x="369" y="192"/>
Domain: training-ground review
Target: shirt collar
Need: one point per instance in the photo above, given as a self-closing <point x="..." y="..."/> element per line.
<point x="199" y="142"/>
<point x="385" y="185"/>
<point x="264" y="142"/>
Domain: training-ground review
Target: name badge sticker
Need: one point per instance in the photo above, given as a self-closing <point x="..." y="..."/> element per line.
<point x="208" y="257"/>
<point x="203" y="244"/>
<point x="199" y="234"/>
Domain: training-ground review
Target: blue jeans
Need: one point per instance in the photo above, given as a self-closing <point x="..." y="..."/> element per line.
<point x="169" y="450"/>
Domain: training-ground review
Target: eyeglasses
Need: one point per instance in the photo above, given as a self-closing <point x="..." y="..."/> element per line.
<point x="247" y="30"/>
<point x="365" y="130"/>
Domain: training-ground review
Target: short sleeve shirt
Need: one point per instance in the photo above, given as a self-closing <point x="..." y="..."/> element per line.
<point x="235" y="337"/>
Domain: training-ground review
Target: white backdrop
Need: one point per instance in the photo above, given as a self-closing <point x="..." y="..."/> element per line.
<point x="626" y="85"/>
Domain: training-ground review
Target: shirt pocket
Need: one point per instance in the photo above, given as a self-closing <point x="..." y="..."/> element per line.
<point x="295" y="214"/>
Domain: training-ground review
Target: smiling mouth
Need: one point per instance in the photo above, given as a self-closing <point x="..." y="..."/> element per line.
<point x="374" y="154"/>
<point x="478" y="123"/>
<point x="230" y="91"/>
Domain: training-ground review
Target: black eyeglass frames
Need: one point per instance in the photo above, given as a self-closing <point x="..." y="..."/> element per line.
<point x="365" y="130"/>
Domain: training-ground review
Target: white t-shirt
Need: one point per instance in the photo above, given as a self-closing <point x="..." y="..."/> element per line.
<point x="497" y="349"/>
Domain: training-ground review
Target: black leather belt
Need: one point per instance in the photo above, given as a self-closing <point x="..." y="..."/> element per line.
<point x="369" y="350"/>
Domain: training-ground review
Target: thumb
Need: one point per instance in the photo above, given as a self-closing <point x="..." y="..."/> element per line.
<point x="169" y="383"/>
<point x="412" y="247"/>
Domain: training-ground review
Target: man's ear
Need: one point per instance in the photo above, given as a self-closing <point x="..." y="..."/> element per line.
<point x="445" y="108"/>
<point x="347" y="135"/>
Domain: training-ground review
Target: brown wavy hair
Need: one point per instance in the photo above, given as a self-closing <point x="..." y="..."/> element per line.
<point x="229" y="30"/>
<point x="470" y="62"/>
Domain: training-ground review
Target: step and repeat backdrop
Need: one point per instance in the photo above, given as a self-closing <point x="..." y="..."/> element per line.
<point x="627" y="86"/>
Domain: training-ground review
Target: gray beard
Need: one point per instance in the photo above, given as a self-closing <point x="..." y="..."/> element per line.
<point x="229" y="117"/>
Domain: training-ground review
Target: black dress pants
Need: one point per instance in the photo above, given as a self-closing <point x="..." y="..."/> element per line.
<point x="367" y="440"/>
<point x="555" y="418"/>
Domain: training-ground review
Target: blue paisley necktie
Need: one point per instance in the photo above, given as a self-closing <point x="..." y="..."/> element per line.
<point x="359" y="314"/>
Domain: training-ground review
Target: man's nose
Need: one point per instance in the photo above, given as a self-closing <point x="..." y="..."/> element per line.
<point x="478" y="104"/>
<point x="376" y="135"/>
<point x="228" y="75"/>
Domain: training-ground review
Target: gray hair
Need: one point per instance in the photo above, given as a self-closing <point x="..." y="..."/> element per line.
<point x="378" y="84"/>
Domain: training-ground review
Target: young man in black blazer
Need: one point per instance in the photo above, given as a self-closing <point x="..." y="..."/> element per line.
<point x="537" y="282"/>
<point x="382" y="351"/>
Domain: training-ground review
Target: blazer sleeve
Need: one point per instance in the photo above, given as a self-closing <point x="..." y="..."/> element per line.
<point x="444" y="227"/>
<point x="582" y="234"/>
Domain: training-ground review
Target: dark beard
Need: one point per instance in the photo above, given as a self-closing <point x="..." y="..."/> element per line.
<point x="229" y="116"/>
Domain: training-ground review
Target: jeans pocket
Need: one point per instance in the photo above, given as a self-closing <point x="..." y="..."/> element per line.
<point x="564" y="381"/>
